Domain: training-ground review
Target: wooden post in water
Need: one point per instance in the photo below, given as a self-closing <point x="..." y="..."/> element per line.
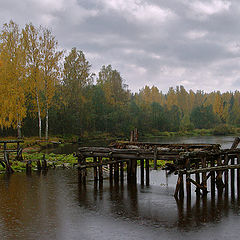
<point x="110" y="171"/>
<point x="116" y="172"/>
<point x="147" y="171"/>
<point x="155" y="157"/>
<point x="188" y="183"/>
<point x="226" y="159"/>
<point x="129" y="167"/>
<point x="197" y="177"/>
<point x="39" y="165"/>
<point x="232" y="176"/>
<point x="142" y="171"/>
<point x="134" y="170"/>
<point x="181" y="189"/>
<point x="204" y="176"/>
<point x="95" y="173"/>
<point x="122" y="172"/>
<point x="238" y="177"/>
<point x="219" y="181"/>
<point x="100" y="172"/>
<point x="212" y="178"/>
<point x="29" y="167"/>
<point x="44" y="163"/>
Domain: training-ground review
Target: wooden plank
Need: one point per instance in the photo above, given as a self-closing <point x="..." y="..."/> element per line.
<point x="198" y="185"/>
<point x="208" y="169"/>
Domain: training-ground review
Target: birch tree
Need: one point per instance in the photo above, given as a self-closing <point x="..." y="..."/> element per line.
<point x="50" y="67"/>
<point x="31" y="42"/>
<point x="12" y="77"/>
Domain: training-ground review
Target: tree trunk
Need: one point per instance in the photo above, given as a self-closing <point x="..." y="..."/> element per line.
<point x="46" y="133"/>
<point x="19" y="135"/>
<point x="39" y="119"/>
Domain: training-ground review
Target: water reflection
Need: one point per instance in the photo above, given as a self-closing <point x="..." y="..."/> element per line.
<point x="146" y="205"/>
<point x="54" y="205"/>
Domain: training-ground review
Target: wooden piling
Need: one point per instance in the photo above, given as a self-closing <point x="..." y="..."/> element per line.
<point x="100" y="172"/>
<point x="122" y="172"/>
<point x="142" y="171"/>
<point x="39" y="165"/>
<point x="181" y="189"/>
<point x="147" y="171"/>
<point x="129" y="167"/>
<point x="44" y="163"/>
<point x="155" y="157"/>
<point x="204" y="176"/>
<point x="116" y="172"/>
<point x="95" y="173"/>
<point x="110" y="172"/>
<point x="188" y="183"/>
<point x="212" y="178"/>
<point x="134" y="170"/>
<point x="238" y="176"/>
<point x="29" y="167"/>
<point x="197" y="177"/>
<point x="226" y="159"/>
<point x="232" y="171"/>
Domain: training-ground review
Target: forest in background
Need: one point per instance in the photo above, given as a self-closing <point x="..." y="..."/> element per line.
<point x="44" y="90"/>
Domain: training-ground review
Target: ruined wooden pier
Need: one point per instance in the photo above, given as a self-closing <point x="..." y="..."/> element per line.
<point x="195" y="164"/>
<point x="5" y="151"/>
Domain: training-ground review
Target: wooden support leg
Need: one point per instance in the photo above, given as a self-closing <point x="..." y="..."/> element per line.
<point x="226" y="159"/>
<point x="100" y="172"/>
<point x="142" y="171"/>
<point x="110" y="172"/>
<point x="29" y="167"/>
<point x="116" y="172"/>
<point x="212" y="178"/>
<point x="188" y="183"/>
<point x="181" y="190"/>
<point x="155" y="158"/>
<point x="197" y="177"/>
<point x="232" y="176"/>
<point x="238" y="177"/>
<point x="121" y="172"/>
<point x="95" y="173"/>
<point x="39" y="165"/>
<point x="79" y="175"/>
<point x="219" y="181"/>
<point x="134" y="170"/>
<point x="147" y="171"/>
<point x="177" y="186"/>
<point x="129" y="171"/>
<point x="204" y="176"/>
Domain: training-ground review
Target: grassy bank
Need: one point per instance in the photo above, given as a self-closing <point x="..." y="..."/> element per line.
<point x="57" y="161"/>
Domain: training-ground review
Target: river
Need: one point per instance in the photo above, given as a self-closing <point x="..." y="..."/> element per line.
<point x="53" y="205"/>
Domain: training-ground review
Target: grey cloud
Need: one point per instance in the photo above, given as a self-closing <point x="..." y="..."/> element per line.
<point x="189" y="47"/>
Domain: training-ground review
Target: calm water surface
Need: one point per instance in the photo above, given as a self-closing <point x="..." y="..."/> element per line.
<point x="54" y="205"/>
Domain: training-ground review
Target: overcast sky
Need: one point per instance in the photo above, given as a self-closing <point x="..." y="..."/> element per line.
<point x="165" y="43"/>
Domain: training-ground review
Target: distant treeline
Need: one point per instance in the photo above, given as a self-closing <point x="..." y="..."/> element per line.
<point x="38" y="82"/>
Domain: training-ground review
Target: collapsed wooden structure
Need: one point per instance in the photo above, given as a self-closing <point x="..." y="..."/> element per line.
<point x="208" y="160"/>
<point x="5" y="152"/>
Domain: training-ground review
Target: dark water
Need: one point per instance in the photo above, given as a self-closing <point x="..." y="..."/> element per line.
<point x="54" y="205"/>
